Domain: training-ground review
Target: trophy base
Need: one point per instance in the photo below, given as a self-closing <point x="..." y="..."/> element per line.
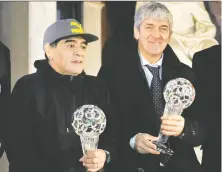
<point x="166" y="152"/>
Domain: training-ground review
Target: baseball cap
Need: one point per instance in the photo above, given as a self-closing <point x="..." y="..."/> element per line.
<point x="65" y="28"/>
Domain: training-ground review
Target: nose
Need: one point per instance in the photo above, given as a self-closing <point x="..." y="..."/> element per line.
<point x="76" y="54"/>
<point x="156" y="33"/>
<point x="77" y="51"/>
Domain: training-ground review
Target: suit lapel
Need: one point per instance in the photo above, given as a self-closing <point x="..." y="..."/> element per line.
<point x="144" y="91"/>
<point x="170" y="63"/>
<point x="143" y="78"/>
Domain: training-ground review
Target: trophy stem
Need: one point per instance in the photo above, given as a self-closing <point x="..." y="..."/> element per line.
<point x="162" y="138"/>
<point x="169" y="110"/>
<point x="173" y="110"/>
<point x="89" y="143"/>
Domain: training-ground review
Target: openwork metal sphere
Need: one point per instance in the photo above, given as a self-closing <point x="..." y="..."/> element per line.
<point x="179" y="91"/>
<point x="89" y="121"/>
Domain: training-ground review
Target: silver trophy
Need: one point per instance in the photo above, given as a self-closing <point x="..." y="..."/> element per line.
<point x="89" y="122"/>
<point x="179" y="94"/>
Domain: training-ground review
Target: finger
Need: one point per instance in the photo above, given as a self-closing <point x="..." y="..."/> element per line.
<point x="172" y="123"/>
<point x="90" y="166"/>
<point x="93" y="170"/>
<point x="98" y="167"/>
<point x="151" y="147"/>
<point x="148" y="147"/>
<point x="144" y="145"/>
<point x="176" y="117"/>
<point x="164" y="117"/>
<point x="141" y="148"/>
<point x="92" y="154"/>
<point x="168" y="122"/>
<point x="171" y="128"/>
<point x="152" y="151"/>
<point x="91" y="160"/>
<point x="150" y="144"/>
<point x="172" y="117"/>
<point x="149" y="137"/>
<point x="169" y="133"/>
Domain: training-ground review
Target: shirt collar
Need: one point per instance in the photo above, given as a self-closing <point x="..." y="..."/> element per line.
<point x="145" y="62"/>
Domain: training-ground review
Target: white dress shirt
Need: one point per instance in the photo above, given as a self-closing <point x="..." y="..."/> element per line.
<point x="149" y="78"/>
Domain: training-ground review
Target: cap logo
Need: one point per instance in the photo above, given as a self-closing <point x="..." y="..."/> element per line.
<point x="78" y="29"/>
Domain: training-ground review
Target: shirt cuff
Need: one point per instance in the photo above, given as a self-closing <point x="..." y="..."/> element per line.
<point x="132" y="141"/>
<point x="107" y="156"/>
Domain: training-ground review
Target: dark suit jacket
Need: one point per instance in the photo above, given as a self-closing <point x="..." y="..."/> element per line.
<point x="207" y="67"/>
<point x="132" y="100"/>
<point x="5" y="77"/>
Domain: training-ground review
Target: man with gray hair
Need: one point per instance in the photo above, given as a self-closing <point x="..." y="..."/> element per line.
<point x="136" y="83"/>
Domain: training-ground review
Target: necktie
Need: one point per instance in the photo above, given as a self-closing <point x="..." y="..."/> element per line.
<point x="156" y="90"/>
<point x="158" y="102"/>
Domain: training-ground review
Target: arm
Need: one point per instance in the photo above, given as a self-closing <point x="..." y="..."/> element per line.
<point x="106" y="153"/>
<point x="31" y="144"/>
<point x="108" y="139"/>
<point x="193" y="132"/>
<point x="20" y="147"/>
<point x="201" y="107"/>
<point x="188" y="127"/>
<point x="185" y="128"/>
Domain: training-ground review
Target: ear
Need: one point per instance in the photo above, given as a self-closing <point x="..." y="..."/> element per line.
<point x="48" y="50"/>
<point x="136" y="33"/>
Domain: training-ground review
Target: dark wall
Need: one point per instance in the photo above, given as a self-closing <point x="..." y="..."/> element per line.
<point x="69" y="9"/>
<point x="120" y="16"/>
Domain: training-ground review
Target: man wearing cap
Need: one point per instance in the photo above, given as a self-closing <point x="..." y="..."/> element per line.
<point x="40" y="135"/>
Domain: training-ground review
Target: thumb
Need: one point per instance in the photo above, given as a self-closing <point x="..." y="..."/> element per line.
<point x="152" y="138"/>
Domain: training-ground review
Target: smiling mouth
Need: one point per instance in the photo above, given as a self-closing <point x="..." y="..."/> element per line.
<point x="77" y="61"/>
<point x="156" y="43"/>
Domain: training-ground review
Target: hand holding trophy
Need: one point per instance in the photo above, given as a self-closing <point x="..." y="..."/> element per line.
<point x="89" y="122"/>
<point x="179" y="94"/>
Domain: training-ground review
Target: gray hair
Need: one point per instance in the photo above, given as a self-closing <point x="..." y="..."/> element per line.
<point x="154" y="10"/>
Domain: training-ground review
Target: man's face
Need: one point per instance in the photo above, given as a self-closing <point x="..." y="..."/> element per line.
<point x="153" y="36"/>
<point x="68" y="56"/>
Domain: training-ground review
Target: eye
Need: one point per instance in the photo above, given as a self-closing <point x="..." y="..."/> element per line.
<point x="148" y="27"/>
<point x="70" y="45"/>
<point x="164" y="29"/>
<point x="83" y="47"/>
